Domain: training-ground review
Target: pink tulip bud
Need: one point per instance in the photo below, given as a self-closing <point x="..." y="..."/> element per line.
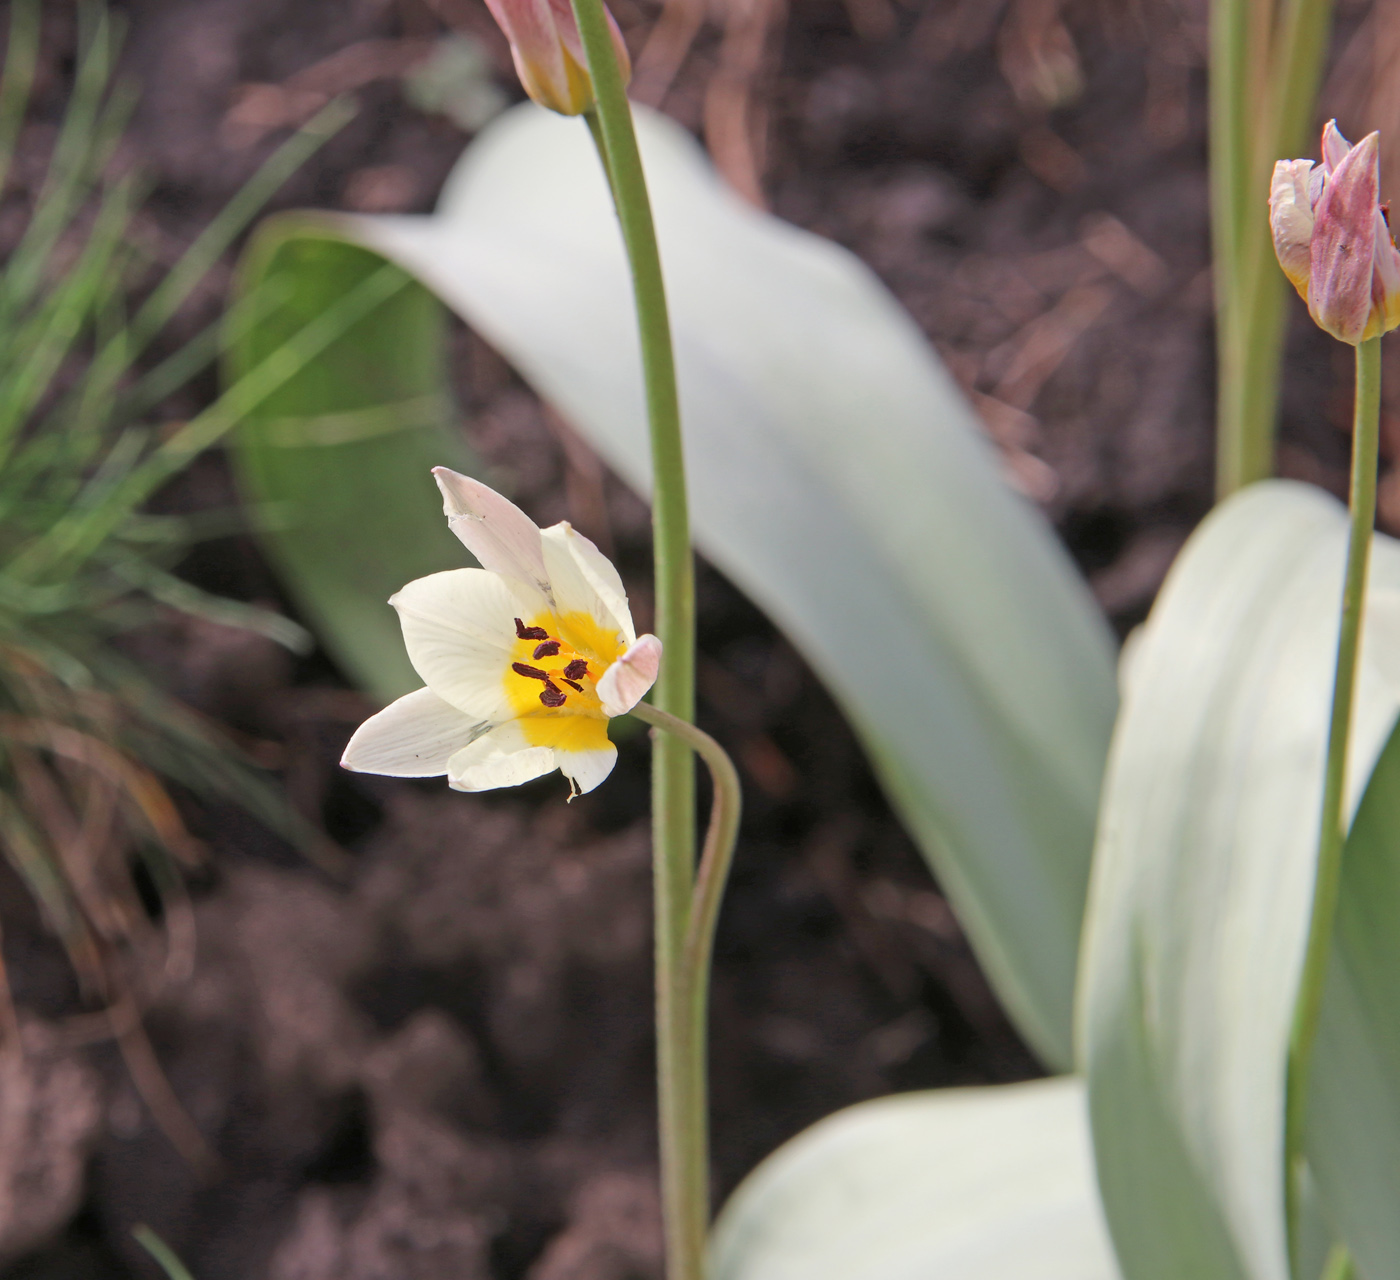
<point x="548" y="52"/>
<point x="1333" y="239"/>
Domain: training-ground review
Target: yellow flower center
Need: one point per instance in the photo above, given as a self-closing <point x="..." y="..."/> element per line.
<point x="552" y="678"/>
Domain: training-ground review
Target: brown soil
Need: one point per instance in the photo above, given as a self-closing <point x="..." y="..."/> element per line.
<point x="442" y="1068"/>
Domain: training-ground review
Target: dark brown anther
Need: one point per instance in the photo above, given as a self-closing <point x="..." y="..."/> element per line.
<point x="577" y="688"/>
<point x="576" y="670"/>
<point x="529" y="633"/>
<point x="552" y="695"/>
<point x="546" y="650"/>
<point x="530" y="673"/>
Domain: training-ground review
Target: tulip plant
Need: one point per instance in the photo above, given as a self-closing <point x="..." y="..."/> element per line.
<point x="1333" y="241"/>
<point x="527" y="658"/>
<point x="1179" y="866"/>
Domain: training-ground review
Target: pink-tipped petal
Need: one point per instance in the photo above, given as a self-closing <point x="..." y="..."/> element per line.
<point x="573" y="41"/>
<point x="531" y="26"/>
<point x="1334" y="147"/>
<point x="497" y="532"/>
<point x="624" y="684"/>
<point x="1344" y="242"/>
<point x="1291" y="220"/>
<point x="1385" y="284"/>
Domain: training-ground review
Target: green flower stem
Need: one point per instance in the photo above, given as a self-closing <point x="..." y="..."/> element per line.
<point x="1332" y="839"/>
<point x="715" y="860"/>
<point x="679" y="1052"/>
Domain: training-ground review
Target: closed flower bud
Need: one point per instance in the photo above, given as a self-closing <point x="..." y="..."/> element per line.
<point x="1333" y="239"/>
<point x="548" y="52"/>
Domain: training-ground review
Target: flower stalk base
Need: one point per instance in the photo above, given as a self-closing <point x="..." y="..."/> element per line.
<point x="680" y="991"/>
<point x="1332" y="838"/>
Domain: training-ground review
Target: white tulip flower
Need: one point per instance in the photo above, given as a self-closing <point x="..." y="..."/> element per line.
<point x="525" y="659"/>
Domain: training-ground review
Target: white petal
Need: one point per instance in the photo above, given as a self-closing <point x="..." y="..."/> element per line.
<point x="497" y="532"/>
<point x="459" y="629"/>
<point x="584" y="580"/>
<point x="499" y="758"/>
<point x="410" y="738"/>
<point x="1291" y="219"/>
<point x="586" y="769"/>
<point x="622" y="685"/>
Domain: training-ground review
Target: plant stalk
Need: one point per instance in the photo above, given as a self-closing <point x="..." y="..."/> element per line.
<point x="1307" y="1011"/>
<point x="715" y="860"/>
<point x="679" y="1052"/>
<point x="1266" y="66"/>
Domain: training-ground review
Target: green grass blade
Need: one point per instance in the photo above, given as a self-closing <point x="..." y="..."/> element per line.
<point x="187" y="598"/>
<point x="42" y="342"/>
<point x="100" y="513"/>
<point x="17" y="80"/>
<point x="115" y="358"/>
<point x="164" y="1255"/>
<point x="83" y="138"/>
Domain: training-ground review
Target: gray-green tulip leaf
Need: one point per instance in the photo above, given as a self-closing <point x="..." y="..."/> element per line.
<point x="1203" y="876"/>
<point x="959" y="1184"/>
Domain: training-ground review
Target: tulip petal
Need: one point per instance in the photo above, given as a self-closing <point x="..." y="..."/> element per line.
<point x="1385" y="285"/>
<point x="411" y="738"/>
<point x="531" y="26"/>
<point x="624" y="683"/>
<point x="573" y="41"/>
<point x="497" y="532"/>
<point x="459" y="630"/>
<point x="1291" y="220"/>
<point x="583" y="581"/>
<point x="501" y="757"/>
<point x="1334" y="147"/>
<point x="586" y="769"/>
<point x="1343" y="244"/>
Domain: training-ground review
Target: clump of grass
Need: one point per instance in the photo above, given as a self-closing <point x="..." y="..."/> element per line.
<point x="88" y="741"/>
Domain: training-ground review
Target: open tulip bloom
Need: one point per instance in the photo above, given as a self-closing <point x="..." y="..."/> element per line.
<point x="1333" y="238"/>
<point x="525" y="660"/>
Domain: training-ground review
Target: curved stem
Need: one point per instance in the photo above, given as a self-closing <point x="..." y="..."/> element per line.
<point x="692" y="992"/>
<point x="718" y="852"/>
<point x="1332" y="839"/>
<point x="680" y="1058"/>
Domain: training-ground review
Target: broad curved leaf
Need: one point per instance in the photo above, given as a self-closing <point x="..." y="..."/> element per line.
<point x="340" y="454"/>
<point x="958" y="1184"/>
<point x="1353" y="1138"/>
<point x="839" y="479"/>
<point x="1203" y="878"/>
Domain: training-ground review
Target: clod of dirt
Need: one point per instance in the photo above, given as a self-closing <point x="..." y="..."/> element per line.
<point x="50" y="1118"/>
<point x="613" y="1232"/>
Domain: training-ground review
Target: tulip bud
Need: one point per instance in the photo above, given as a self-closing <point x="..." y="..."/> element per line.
<point x="1333" y="239"/>
<point x="548" y="52"/>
